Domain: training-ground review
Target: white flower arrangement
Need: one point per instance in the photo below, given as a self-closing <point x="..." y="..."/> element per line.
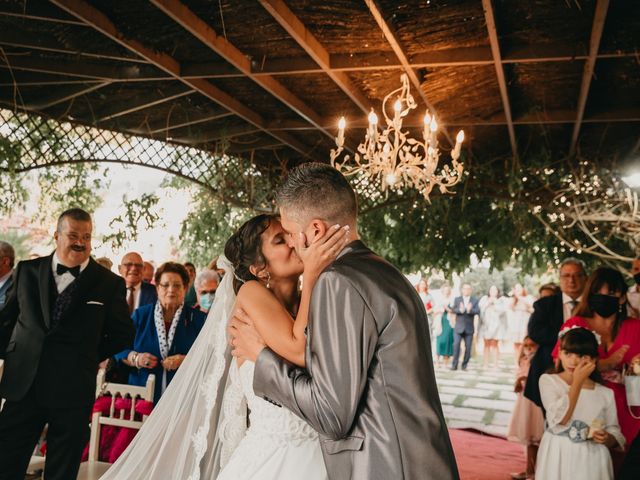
<point x="566" y="329"/>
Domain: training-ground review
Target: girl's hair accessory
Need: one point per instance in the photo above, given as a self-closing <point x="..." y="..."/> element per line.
<point x="564" y="331"/>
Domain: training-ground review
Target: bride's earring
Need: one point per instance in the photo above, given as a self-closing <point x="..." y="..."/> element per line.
<point x="268" y="279"/>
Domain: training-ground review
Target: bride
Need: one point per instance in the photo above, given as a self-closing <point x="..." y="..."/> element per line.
<point x="209" y="424"/>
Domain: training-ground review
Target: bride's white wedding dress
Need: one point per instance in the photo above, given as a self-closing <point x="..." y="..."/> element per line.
<point x="277" y="445"/>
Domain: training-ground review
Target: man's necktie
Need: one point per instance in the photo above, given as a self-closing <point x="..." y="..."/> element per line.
<point x="130" y="299"/>
<point x="62" y="269"/>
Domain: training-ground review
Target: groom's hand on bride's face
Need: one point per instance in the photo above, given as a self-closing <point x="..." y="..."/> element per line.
<point x="245" y="340"/>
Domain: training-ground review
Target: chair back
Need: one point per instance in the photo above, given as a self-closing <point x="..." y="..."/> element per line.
<point x="117" y="390"/>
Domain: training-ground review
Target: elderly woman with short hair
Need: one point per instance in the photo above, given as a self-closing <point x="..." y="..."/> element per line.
<point x="165" y="330"/>
<point x="206" y="284"/>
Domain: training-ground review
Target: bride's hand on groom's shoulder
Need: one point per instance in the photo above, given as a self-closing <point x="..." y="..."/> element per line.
<point x="323" y="251"/>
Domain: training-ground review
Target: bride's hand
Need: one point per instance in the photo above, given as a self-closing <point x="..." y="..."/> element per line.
<point x="323" y="251"/>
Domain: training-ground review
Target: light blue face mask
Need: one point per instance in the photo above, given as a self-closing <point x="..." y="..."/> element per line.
<point x="206" y="300"/>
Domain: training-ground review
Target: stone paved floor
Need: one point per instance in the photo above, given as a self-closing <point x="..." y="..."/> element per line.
<point x="478" y="398"/>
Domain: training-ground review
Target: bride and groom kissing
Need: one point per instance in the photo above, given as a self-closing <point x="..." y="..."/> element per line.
<point x="335" y="381"/>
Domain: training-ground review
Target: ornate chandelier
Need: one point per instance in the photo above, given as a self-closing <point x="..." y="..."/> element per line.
<point x="395" y="159"/>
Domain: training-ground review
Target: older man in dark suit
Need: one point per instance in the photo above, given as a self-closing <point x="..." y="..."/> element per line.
<point x="549" y="313"/>
<point x="466" y="308"/>
<point x="139" y="293"/>
<point x="64" y="315"/>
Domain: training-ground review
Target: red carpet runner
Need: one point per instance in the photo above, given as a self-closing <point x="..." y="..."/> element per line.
<point x="484" y="457"/>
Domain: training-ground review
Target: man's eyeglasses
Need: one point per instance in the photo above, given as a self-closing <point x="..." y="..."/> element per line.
<point x="204" y="292"/>
<point x="129" y="265"/>
<point x="573" y="276"/>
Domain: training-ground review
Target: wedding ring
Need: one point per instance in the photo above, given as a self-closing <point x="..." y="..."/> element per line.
<point x="146" y="363"/>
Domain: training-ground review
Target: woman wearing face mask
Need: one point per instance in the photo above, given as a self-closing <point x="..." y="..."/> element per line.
<point x="206" y="284"/>
<point x="603" y="309"/>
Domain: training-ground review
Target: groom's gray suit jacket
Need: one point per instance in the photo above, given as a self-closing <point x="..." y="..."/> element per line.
<point x="369" y="388"/>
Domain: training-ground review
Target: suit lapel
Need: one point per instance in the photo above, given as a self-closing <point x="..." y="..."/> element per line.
<point x="45" y="278"/>
<point x="86" y="280"/>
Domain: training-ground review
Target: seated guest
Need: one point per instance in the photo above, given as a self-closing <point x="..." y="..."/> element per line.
<point x="147" y="272"/>
<point x="105" y="262"/>
<point x="206" y="285"/>
<point x="190" y="299"/>
<point x="603" y="310"/>
<point x="165" y="330"/>
<point x="548" y="290"/>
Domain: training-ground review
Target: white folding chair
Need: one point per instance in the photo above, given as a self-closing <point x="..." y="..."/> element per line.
<point x="93" y="468"/>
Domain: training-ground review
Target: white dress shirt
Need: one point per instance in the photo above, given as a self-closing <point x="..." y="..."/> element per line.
<point x="5" y="277"/>
<point x="64" y="280"/>
<point x="137" y="290"/>
<point x="567" y="306"/>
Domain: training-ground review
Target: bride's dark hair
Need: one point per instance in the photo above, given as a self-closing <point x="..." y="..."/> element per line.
<point x="244" y="248"/>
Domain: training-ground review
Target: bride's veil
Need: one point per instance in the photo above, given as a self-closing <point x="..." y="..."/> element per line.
<point x="201" y="416"/>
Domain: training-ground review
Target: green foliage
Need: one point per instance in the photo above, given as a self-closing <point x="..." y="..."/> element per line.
<point x="18" y="241"/>
<point x="207" y="227"/>
<point x="139" y="213"/>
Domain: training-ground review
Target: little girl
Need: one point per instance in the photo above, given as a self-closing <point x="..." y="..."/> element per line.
<point x="527" y="423"/>
<point x="581" y="415"/>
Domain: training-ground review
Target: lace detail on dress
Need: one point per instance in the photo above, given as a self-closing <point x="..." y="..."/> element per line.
<point x="234" y="418"/>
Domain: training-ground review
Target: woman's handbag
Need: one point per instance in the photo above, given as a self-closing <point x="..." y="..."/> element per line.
<point x="632" y="389"/>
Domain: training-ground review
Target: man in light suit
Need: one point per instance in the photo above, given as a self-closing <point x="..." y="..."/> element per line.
<point x="65" y="313"/>
<point x="466" y="308"/>
<point x="369" y="387"/>
<point x="7" y="259"/>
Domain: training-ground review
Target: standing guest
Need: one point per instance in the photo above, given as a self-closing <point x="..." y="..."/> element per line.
<point x="165" y="331"/>
<point x="138" y="292"/>
<point x="492" y="312"/>
<point x="548" y="290"/>
<point x="633" y="295"/>
<point x="527" y="423"/>
<point x="443" y="319"/>
<point x="549" y="313"/>
<point x="603" y="310"/>
<point x="581" y="415"/>
<point x="466" y="308"/>
<point x="518" y="314"/>
<point x="427" y="300"/>
<point x="213" y="265"/>
<point x="147" y="272"/>
<point x="7" y="260"/>
<point x="64" y="314"/>
<point x="206" y="285"/>
<point x="191" y="297"/>
<point x="105" y="262"/>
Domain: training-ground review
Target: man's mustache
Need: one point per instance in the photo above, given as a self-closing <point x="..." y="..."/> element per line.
<point x="78" y="248"/>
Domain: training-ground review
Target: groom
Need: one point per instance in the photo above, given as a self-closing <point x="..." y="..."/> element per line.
<point x="369" y="388"/>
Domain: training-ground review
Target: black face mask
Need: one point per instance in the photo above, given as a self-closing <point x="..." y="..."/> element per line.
<point x="603" y="305"/>
<point x="636" y="277"/>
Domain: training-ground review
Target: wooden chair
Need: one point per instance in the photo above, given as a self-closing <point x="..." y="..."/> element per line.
<point x="93" y="468"/>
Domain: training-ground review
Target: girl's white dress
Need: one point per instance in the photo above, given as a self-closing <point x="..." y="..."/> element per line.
<point x="277" y="445"/>
<point x="492" y="314"/>
<point x="565" y="451"/>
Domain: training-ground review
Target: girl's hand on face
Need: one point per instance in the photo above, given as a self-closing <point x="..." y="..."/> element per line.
<point x="584" y="369"/>
<point x="323" y="251"/>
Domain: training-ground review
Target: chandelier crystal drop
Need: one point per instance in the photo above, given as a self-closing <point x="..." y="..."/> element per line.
<point x="393" y="158"/>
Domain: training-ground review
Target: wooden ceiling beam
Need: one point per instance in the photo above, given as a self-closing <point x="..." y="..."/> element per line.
<point x="40" y="11"/>
<point x="128" y="107"/>
<point x="594" y="45"/>
<point x="49" y="43"/>
<point x="100" y="22"/>
<point x="294" y="27"/>
<point x="165" y="126"/>
<point x="184" y="17"/>
<point x="64" y="95"/>
<point x="502" y="82"/>
<point x="393" y="40"/>
<point x="218" y="133"/>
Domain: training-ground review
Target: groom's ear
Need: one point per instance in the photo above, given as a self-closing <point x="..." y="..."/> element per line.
<point x="317" y="229"/>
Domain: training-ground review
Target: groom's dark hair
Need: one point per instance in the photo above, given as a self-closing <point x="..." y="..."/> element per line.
<point x="317" y="190"/>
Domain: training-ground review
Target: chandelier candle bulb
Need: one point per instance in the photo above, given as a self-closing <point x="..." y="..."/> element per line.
<point x="373" y="125"/>
<point x="427" y="123"/>
<point x="342" y="123"/>
<point x="455" y="154"/>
